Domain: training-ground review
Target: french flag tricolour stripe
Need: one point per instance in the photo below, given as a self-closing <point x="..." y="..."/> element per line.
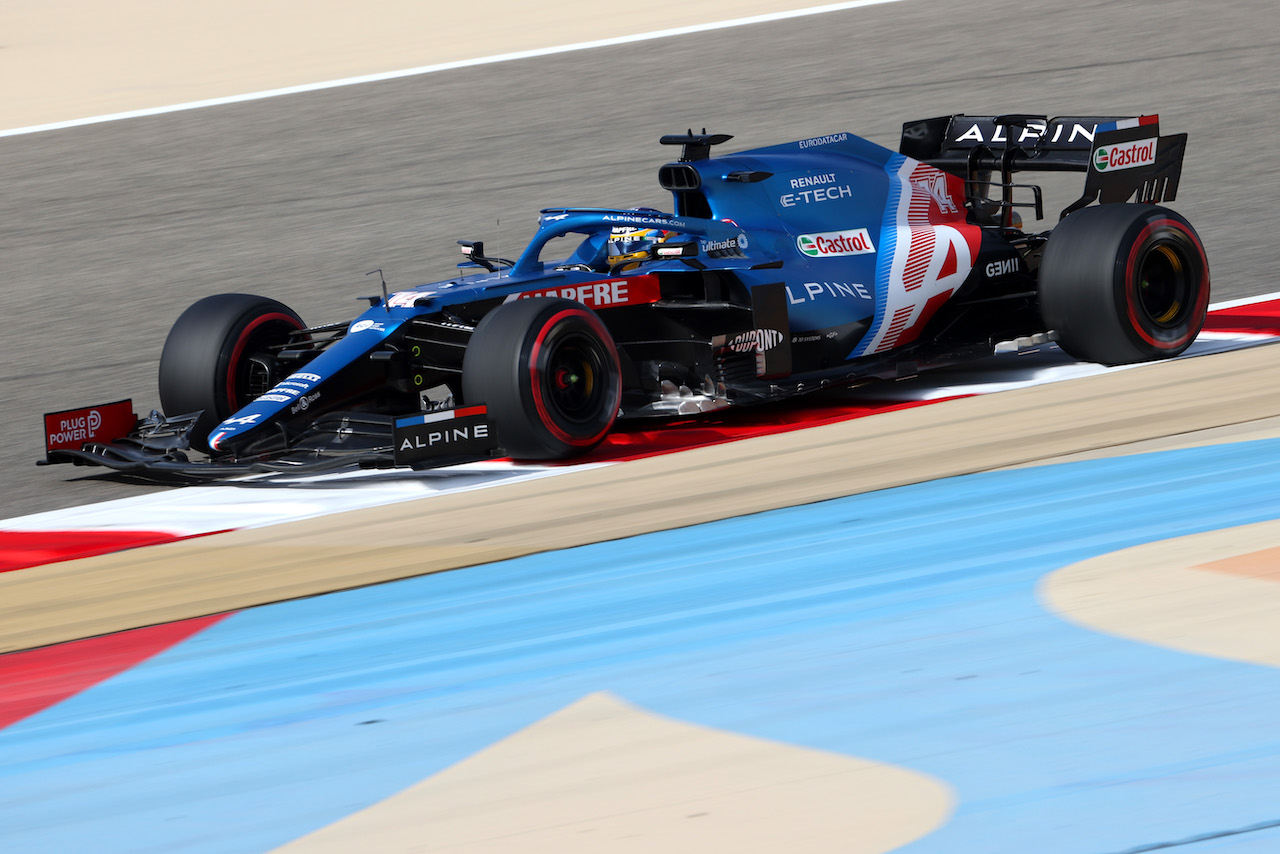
<point x="1125" y="124"/>
<point x="446" y="415"/>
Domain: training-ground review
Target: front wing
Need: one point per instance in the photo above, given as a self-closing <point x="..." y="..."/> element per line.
<point x="159" y="447"/>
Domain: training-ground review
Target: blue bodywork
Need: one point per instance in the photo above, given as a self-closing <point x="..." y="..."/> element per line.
<point x="783" y="270"/>
<point x="820" y="221"/>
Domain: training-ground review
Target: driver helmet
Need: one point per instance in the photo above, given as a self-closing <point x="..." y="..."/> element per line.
<point x="628" y="246"/>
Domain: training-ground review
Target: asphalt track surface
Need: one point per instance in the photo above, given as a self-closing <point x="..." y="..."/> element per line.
<point x="110" y="230"/>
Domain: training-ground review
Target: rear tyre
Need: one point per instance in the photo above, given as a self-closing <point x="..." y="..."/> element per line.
<point x="548" y="371"/>
<point x="1124" y="283"/>
<point x="220" y="355"/>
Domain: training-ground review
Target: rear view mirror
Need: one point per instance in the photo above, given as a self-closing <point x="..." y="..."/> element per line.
<point x="674" y="250"/>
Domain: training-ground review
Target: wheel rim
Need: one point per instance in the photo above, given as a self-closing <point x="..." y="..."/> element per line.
<point x="1165" y="286"/>
<point x="574" y="370"/>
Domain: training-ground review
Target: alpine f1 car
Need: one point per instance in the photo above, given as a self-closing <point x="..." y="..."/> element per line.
<point x="781" y="271"/>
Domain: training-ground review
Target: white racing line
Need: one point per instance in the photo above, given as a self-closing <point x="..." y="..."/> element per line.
<point x="450" y="66"/>
<point x="261" y="500"/>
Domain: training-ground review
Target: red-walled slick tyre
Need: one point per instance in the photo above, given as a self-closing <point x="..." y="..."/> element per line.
<point x="1124" y="283"/>
<point x="220" y="355"/>
<point x="548" y="371"/>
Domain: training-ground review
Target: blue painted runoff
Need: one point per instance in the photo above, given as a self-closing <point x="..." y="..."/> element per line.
<point x="901" y="626"/>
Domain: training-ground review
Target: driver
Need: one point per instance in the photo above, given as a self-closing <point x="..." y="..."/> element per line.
<point x="628" y="246"/>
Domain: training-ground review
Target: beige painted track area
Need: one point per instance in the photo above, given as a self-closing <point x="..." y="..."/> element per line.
<point x="603" y="775"/>
<point x="62" y="60"/>
<point x="1215" y="594"/>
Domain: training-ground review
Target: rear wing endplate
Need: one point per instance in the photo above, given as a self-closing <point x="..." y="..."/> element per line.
<point x="1123" y="158"/>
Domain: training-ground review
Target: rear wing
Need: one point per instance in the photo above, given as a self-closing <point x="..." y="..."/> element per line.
<point x="1122" y="158"/>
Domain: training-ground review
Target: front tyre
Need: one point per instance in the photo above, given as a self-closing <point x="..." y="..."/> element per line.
<point x="548" y="371"/>
<point x="1124" y="283"/>
<point x="220" y="355"/>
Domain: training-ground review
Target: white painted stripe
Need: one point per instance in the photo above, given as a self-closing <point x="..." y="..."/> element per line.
<point x="1236" y="303"/>
<point x="1207" y="343"/>
<point x="251" y="504"/>
<point x="449" y="66"/>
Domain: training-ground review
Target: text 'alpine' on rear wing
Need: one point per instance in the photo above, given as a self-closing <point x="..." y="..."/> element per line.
<point x="1123" y="157"/>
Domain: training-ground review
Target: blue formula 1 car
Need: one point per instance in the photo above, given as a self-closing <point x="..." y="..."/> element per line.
<point x="783" y="270"/>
